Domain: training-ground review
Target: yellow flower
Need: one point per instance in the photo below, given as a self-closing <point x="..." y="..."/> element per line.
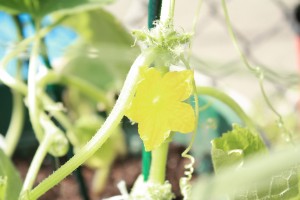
<point x="158" y="108"/>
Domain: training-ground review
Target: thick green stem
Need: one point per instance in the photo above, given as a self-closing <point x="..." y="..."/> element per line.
<point x="158" y="164"/>
<point x="37" y="162"/>
<point x="102" y="134"/>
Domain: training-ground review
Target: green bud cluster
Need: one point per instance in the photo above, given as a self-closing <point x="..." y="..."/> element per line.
<point x="163" y="40"/>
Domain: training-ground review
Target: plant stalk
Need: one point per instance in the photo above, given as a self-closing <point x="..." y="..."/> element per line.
<point x="37" y="162"/>
<point x="159" y="155"/>
<point x="14" y="131"/>
<point x="158" y="164"/>
<point x="16" y="124"/>
<point x="33" y="105"/>
<point x="102" y="134"/>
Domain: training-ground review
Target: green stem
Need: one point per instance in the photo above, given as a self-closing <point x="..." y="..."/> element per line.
<point x="102" y="134"/>
<point x="229" y="102"/>
<point x="33" y="105"/>
<point x="159" y="155"/>
<point x="258" y="73"/>
<point x="63" y="120"/>
<point x="37" y="162"/>
<point x="158" y="164"/>
<point x="194" y="26"/>
<point x="57" y="114"/>
<point x="16" y="124"/>
<point x="167" y="11"/>
<point x="14" y="131"/>
<point x="100" y="179"/>
<point x="185" y="153"/>
<point x="72" y="81"/>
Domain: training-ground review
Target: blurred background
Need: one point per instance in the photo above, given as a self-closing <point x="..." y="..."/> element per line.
<point x="86" y="46"/>
<point x="265" y="30"/>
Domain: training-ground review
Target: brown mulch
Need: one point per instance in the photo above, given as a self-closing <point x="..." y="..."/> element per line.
<point x="126" y="169"/>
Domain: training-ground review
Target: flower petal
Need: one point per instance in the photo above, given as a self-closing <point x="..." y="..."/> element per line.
<point x="157" y="106"/>
<point x="181" y="117"/>
<point x="178" y="85"/>
<point x="137" y="110"/>
<point x="146" y="90"/>
<point x="153" y="132"/>
<point x="150" y="78"/>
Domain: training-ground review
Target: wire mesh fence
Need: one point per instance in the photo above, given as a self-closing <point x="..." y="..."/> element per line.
<point x="265" y="33"/>
<point x="264" y="29"/>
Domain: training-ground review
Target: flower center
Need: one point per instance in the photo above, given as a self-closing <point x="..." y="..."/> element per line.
<point x="155" y="100"/>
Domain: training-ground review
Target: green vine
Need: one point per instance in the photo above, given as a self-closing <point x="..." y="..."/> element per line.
<point x="258" y="73"/>
<point x="102" y="135"/>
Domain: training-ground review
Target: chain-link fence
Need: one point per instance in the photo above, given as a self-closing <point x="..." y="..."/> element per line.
<point x="264" y="30"/>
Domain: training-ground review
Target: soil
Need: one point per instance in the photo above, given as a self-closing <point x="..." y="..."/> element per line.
<point x="125" y="169"/>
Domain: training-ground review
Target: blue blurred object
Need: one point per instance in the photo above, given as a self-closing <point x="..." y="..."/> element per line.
<point x="58" y="39"/>
<point x="8" y="38"/>
<point x="55" y="43"/>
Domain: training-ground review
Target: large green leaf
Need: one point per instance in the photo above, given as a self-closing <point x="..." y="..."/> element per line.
<point x="281" y="186"/>
<point x="99" y="26"/>
<point x="13" y="6"/>
<point x="41" y="8"/>
<point x="10" y="181"/>
<point x="103" y="53"/>
<point x="69" y="6"/>
<point x="262" y="177"/>
<point x="233" y="148"/>
<point x="103" y="65"/>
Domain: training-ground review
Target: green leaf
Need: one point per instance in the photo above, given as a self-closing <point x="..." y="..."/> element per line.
<point x="255" y="179"/>
<point x="103" y="54"/>
<point x="10" y="181"/>
<point x="234" y="146"/>
<point x="13" y="6"/>
<point x="99" y="26"/>
<point x="3" y="185"/>
<point x="40" y="8"/>
<point x="69" y="6"/>
<point x="281" y="186"/>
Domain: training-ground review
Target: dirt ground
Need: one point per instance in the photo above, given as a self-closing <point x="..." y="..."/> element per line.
<point x="126" y="169"/>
